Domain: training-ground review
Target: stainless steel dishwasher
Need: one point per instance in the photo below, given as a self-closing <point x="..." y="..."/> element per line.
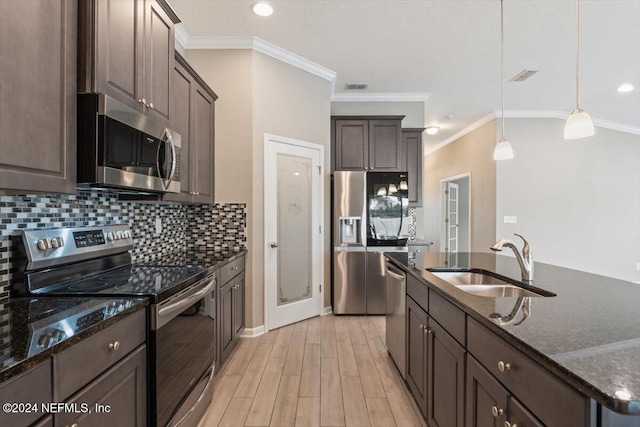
<point x="396" y="282"/>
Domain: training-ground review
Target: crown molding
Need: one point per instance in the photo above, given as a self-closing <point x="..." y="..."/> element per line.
<point x="562" y="115"/>
<point x="182" y="38"/>
<point x="257" y="44"/>
<point x="379" y="97"/>
<point x="473" y="126"/>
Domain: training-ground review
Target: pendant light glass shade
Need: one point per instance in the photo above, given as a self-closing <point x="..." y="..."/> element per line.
<point x="382" y="191"/>
<point x="503" y="151"/>
<point x="404" y="185"/>
<point x="579" y="123"/>
<point x="393" y="189"/>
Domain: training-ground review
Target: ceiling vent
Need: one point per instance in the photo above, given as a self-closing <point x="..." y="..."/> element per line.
<point x="356" y="86"/>
<point x="523" y="75"/>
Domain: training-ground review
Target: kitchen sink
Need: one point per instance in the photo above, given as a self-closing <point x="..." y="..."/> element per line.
<point x="485" y="285"/>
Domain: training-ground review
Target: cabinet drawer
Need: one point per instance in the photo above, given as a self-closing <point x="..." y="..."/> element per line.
<point x="33" y="386"/>
<point x="448" y="316"/>
<point x="549" y="398"/>
<point x="80" y="364"/>
<point x="418" y="292"/>
<point x="230" y="270"/>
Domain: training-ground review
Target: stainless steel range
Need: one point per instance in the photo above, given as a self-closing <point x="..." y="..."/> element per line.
<point x="96" y="261"/>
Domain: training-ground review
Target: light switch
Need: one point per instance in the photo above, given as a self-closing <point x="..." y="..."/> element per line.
<point x="510" y="219"/>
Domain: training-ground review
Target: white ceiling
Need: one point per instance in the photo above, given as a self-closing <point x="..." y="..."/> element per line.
<point x="451" y="49"/>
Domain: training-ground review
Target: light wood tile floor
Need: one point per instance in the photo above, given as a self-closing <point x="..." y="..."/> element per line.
<point x="324" y="371"/>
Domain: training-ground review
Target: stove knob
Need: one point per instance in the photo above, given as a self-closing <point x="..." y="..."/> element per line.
<point x="44" y="244"/>
<point x="57" y="242"/>
<point x="44" y="341"/>
<point x="58" y="335"/>
<point x="110" y="236"/>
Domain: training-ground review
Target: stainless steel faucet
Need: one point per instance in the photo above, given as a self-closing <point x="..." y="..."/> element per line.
<point x="525" y="260"/>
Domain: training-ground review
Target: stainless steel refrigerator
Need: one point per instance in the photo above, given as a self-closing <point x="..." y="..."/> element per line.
<point x="370" y="216"/>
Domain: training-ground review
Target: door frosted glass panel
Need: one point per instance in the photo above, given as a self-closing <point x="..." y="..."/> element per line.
<point x="294" y="228"/>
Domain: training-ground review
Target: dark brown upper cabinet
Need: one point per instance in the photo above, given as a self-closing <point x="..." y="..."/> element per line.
<point x="126" y="50"/>
<point x="368" y="143"/>
<point x="192" y="112"/>
<point x="412" y="149"/>
<point x="38" y="42"/>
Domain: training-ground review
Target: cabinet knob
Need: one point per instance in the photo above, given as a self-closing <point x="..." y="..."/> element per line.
<point x="504" y="366"/>
<point x="150" y="105"/>
<point x="273" y="245"/>
<point x="422" y="327"/>
<point x="142" y="101"/>
<point x="428" y="331"/>
<point x="496" y="411"/>
<point x="115" y="346"/>
<point x="74" y="425"/>
<point x="508" y="424"/>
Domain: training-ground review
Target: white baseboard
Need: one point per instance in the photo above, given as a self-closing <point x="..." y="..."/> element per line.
<point x="252" y="332"/>
<point x="326" y="311"/>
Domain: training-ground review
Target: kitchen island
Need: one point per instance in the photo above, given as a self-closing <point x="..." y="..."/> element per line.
<point x="587" y="335"/>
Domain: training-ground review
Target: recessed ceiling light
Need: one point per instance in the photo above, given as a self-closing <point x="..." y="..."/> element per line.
<point x="432" y="130"/>
<point x="262" y="9"/>
<point x="623" y="394"/>
<point x="625" y="88"/>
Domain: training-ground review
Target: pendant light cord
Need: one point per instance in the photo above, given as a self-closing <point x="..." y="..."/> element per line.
<point x="577" y="54"/>
<point x="502" y="62"/>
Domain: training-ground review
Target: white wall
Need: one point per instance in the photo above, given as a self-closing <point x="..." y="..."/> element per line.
<point x="258" y="95"/>
<point x="578" y="202"/>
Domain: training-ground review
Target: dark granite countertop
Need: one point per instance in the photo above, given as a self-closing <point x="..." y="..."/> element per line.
<point x="22" y="318"/>
<point x="209" y="257"/>
<point x="588" y="334"/>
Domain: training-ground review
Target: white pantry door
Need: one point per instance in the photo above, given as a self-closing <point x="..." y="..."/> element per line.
<point x="293" y="195"/>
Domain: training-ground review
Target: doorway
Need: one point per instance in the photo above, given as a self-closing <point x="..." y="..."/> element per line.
<point x="293" y="215"/>
<point x="455" y="217"/>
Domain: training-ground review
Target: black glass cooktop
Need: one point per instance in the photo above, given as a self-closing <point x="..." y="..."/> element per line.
<point x="156" y="281"/>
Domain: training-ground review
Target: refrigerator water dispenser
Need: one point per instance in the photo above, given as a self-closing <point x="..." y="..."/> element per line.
<point x="350" y="229"/>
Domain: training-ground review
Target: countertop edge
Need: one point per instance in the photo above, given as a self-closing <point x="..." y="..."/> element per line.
<point x="39" y="358"/>
<point x="626" y="407"/>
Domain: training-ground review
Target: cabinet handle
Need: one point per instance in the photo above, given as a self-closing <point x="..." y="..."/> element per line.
<point x="496" y="411"/>
<point x="150" y="105"/>
<point x="504" y="366"/>
<point x="142" y="101"/>
<point x="508" y="424"/>
<point x="115" y="346"/>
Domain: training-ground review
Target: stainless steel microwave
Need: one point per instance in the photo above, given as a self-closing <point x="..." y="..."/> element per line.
<point x="123" y="150"/>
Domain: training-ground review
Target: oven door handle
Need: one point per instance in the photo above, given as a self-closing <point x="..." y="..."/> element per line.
<point x="186" y="302"/>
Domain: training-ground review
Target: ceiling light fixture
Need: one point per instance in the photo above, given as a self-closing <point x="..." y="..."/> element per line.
<point x="262" y="9"/>
<point x="627" y="87"/>
<point x="503" y="150"/>
<point x="579" y="123"/>
<point x="432" y="130"/>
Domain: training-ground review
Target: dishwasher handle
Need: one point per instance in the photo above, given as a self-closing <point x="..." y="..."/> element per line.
<point x="395" y="274"/>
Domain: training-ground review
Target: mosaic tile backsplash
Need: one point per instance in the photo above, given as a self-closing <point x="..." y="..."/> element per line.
<point x="217" y="226"/>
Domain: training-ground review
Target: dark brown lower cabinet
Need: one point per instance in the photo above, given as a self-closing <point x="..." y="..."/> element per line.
<point x="417" y="352"/>
<point x="491" y="405"/>
<point x="231" y="310"/>
<point x="225" y="317"/>
<point x="116" y="398"/>
<point x="238" y="304"/>
<point x="445" y="378"/>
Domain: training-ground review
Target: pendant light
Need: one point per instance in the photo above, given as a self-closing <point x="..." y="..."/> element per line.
<point x="579" y="123"/>
<point x="503" y="150"/>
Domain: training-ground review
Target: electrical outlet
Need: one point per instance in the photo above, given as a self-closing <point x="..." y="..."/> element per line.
<point x="158" y="225"/>
<point x="510" y="219"/>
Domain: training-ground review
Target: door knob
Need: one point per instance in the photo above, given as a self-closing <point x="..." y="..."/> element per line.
<point x="273" y="245"/>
